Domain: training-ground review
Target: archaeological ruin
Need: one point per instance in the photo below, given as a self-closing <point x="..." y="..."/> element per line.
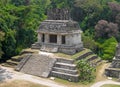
<point x="59" y="33"/>
<point x="114" y="69"/>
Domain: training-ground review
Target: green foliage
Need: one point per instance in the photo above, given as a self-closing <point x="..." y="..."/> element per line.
<point x="61" y="3"/>
<point x="19" y="21"/>
<point x="108" y="48"/>
<point x="1" y="39"/>
<point x="9" y="44"/>
<point x="87" y="72"/>
<point x="89" y="42"/>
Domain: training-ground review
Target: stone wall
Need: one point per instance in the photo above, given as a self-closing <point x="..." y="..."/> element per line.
<point x="111" y="72"/>
<point x="73" y="39"/>
<point x="67" y="50"/>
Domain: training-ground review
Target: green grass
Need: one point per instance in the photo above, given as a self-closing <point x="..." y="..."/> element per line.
<point x="29" y="50"/>
<point x="73" y="84"/>
<point x="72" y="56"/>
<point x="80" y="53"/>
<point x="110" y="85"/>
<point x="62" y="55"/>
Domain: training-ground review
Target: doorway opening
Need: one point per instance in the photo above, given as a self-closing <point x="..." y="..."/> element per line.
<point x="63" y="39"/>
<point x="53" y="39"/>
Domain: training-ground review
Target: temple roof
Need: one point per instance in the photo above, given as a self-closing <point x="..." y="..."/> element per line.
<point x="58" y="26"/>
<point x="58" y="14"/>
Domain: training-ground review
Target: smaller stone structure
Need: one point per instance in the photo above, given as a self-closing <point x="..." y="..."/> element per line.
<point x="114" y="68"/>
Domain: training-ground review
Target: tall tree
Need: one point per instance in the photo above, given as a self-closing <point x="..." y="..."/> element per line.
<point x="1" y="39"/>
<point x="103" y="29"/>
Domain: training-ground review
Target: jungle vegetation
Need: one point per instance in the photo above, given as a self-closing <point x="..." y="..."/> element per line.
<point x="99" y="20"/>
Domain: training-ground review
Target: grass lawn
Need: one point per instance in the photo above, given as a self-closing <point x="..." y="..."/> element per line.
<point x="73" y="84"/>
<point x="20" y="83"/>
<point x="72" y="56"/>
<point x="110" y="85"/>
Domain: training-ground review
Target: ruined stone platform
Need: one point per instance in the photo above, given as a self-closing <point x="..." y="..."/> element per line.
<point x="36" y="64"/>
<point x="114" y="69"/>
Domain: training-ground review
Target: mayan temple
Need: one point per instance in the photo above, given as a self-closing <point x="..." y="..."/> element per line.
<point x="59" y="33"/>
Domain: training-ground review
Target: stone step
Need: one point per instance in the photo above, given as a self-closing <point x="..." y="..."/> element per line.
<point x="84" y="55"/>
<point x="74" y="72"/>
<point x="22" y="62"/>
<point x="36" y="45"/>
<point x="66" y="66"/>
<point x="91" y="57"/>
<point x="8" y="65"/>
<point x="49" y="48"/>
<point x="116" y="60"/>
<point x="96" y="62"/>
<point x="16" y="59"/>
<point x="113" y="72"/>
<point x="115" y="63"/>
<point x="10" y="62"/>
<point x="69" y="77"/>
<point x="65" y="60"/>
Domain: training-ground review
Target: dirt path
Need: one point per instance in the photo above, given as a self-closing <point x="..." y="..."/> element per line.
<point x="100" y="72"/>
<point x="101" y="79"/>
<point x="99" y="84"/>
<point x="20" y="76"/>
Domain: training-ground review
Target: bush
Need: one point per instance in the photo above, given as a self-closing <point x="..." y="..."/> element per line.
<point x="108" y="48"/>
<point x="89" y="43"/>
<point x="86" y="71"/>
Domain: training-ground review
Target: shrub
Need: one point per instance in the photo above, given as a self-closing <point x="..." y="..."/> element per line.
<point x="108" y="48"/>
<point x="86" y="71"/>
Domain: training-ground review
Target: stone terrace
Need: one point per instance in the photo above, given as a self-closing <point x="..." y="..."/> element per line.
<point x="39" y="65"/>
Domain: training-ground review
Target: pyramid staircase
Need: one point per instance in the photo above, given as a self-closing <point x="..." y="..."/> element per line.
<point x="114" y="69"/>
<point x="13" y="62"/>
<point x="90" y="57"/>
<point x="65" y="69"/>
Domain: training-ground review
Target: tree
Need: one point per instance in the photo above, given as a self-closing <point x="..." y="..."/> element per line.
<point x="19" y="21"/>
<point x="1" y="39"/>
<point x="108" y="49"/>
<point x="115" y="8"/>
<point x="87" y="72"/>
<point x="61" y="4"/>
<point x="103" y="29"/>
<point x="9" y="44"/>
<point x="89" y="42"/>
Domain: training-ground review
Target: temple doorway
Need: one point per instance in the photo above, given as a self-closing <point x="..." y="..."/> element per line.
<point x="53" y="39"/>
<point x="43" y="37"/>
<point x="63" y="39"/>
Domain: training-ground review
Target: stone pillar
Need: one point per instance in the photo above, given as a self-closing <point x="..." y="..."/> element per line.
<point x="39" y="37"/>
<point x="59" y="39"/>
<point x="46" y="38"/>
